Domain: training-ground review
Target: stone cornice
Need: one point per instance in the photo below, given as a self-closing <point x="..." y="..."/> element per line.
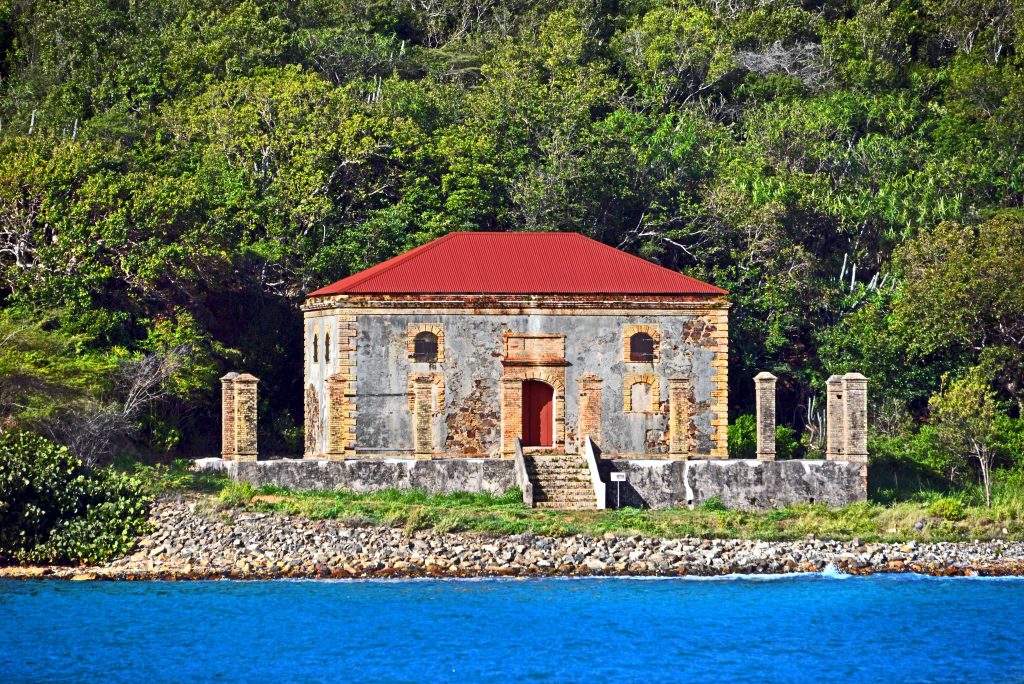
<point x="596" y="305"/>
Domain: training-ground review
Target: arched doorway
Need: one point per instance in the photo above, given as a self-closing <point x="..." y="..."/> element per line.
<point x="538" y="413"/>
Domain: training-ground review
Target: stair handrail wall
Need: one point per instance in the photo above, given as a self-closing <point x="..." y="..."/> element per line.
<point x="591" y="452"/>
<point x="522" y="476"/>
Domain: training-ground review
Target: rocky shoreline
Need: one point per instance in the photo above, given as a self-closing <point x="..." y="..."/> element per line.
<point x="189" y="542"/>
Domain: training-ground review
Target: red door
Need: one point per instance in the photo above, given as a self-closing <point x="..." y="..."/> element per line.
<point x="538" y="399"/>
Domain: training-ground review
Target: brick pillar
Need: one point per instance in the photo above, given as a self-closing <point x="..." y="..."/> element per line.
<point x="855" y="417"/>
<point x="422" y="415"/>
<point x="678" y="418"/>
<point x="227" y="416"/>
<point x="764" y="388"/>
<point x="511" y="414"/>
<point x="340" y="422"/>
<point x="720" y="391"/>
<point x="240" y="418"/>
<point x="590" y="408"/>
<point x="834" y="419"/>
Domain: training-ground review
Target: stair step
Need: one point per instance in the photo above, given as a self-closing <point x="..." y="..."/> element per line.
<point x="563" y="485"/>
<point x="565" y="478"/>
<point x="559" y="505"/>
<point x="560" y="481"/>
<point x="559" y="496"/>
<point x="556" y="470"/>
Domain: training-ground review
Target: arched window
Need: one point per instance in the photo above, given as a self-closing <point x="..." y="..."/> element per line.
<point x="641" y="397"/>
<point x="327" y="347"/>
<point x="316" y="348"/>
<point x="641" y="348"/>
<point x="425" y="347"/>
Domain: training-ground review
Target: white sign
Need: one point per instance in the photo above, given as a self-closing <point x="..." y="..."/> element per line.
<point x="618" y="477"/>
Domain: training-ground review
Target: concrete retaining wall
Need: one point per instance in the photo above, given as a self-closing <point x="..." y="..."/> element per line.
<point x="493" y="476"/>
<point x="740" y="484"/>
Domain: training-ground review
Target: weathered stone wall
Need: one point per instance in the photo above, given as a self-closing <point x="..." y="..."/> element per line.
<point x="442" y="476"/>
<point x="740" y="484"/>
<point x="690" y="345"/>
<point x="652" y="483"/>
<point x="322" y="360"/>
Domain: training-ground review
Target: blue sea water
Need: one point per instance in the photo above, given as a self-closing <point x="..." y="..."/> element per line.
<point x="815" y="628"/>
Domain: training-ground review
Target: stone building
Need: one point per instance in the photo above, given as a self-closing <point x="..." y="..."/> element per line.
<point x="471" y="342"/>
<point x="548" y="362"/>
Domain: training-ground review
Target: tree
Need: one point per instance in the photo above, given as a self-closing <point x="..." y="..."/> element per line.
<point x="966" y="415"/>
<point x="963" y="295"/>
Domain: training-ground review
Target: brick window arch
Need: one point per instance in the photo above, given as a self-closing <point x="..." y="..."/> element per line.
<point x="641" y="348"/>
<point x="425" y="342"/>
<point x="641" y="343"/>
<point x="424" y="347"/>
<point x="641" y="393"/>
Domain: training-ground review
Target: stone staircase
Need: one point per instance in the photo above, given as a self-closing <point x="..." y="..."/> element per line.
<point x="560" y="481"/>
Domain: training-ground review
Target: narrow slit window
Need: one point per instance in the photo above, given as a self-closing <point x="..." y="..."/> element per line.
<point x="327" y="347"/>
<point x="425" y="347"/>
<point x="316" y="348"/>
<point x="641" y="348"/>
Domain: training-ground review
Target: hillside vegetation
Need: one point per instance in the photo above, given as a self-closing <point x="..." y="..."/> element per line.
<point x="176" y="174"/>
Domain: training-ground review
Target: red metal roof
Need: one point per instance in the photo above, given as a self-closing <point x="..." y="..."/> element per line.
<point x="517" y="263"/>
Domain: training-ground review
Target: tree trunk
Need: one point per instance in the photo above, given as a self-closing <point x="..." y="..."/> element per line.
<point x="986" y="478"/>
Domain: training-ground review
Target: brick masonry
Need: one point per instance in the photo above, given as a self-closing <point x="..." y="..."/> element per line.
<point x="632" y="378"/>
<point x="680" y="426"/>
<point x="239" y="419"/>
<point x="834" y="419"/>
<point x="417" y="328"/>
<point x="764" y="391"/>
<point x="652" y="329"/>
<point x="590" y="409"/>
<point x="855" y="417"/>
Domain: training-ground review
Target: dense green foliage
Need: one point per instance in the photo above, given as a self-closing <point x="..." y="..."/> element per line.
<point x="175" y="175"/>
<point x="54" y="510"/>
<point x="743" y="438"/>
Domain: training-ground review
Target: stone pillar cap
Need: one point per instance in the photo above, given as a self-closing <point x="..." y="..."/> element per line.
<point x="246" y="377"/>
<point x="835" y="378"/>
<point x="230" y="376"/>
<point x="765" y="375"/>
<point x="854" y="376"/>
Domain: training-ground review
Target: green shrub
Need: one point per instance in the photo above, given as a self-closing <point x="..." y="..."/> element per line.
<point x="714" y="504"/>
<point x="55" y="510"/>
<point x="237" y="494"/>
<point x="948" y="508"/>
<point x="1009" y="441"/>
<point x="161" y="479"/>
<point x="743" y="437"/>
<point x="787" y="441"/>
<point x="905" y="464"/>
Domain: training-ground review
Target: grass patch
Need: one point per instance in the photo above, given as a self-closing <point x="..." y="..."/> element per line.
<point x="926" y="515"/>
<point x="505" y="515"/>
